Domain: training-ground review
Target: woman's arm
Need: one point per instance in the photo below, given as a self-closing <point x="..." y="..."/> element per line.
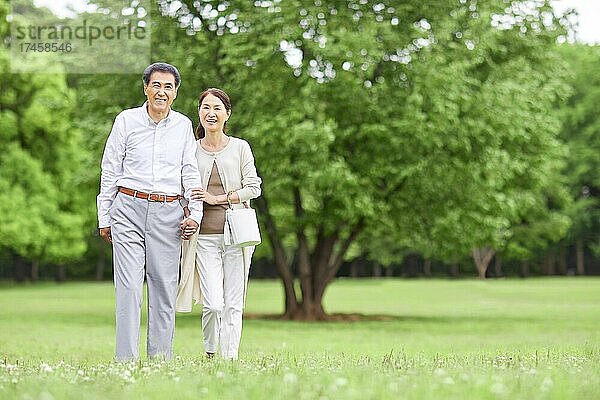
<point x="203" y="195"/>
<point x="250" y="179"/>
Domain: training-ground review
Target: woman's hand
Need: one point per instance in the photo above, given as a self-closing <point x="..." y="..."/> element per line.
<point x="203" y="195"/>
<point x="188" y="227"/>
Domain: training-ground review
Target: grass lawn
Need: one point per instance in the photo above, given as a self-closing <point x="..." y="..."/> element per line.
<point x="436" y="339"/>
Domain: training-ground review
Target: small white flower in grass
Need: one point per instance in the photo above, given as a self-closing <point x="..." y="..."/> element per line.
<point x="80" y="372"/>
<point x="45" y="368"/>
<point x="290" y="378"/>
<point x="220" y="374"/>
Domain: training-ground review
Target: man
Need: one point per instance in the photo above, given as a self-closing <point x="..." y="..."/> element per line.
<point x="149" y="159"/>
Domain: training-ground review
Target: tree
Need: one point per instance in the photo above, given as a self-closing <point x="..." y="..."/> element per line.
<point x="421" y="124"/>
<point x="40" y="218"/>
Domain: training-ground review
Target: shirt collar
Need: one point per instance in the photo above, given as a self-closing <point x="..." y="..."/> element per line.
<point x="146" y="116"/>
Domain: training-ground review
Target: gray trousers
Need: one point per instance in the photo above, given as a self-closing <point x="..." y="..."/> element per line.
<point x="146" y="243"/>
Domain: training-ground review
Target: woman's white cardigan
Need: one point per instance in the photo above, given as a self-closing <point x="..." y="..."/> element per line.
<point x="235" y="164"/>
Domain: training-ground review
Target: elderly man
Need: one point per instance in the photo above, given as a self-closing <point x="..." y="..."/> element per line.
<point x="148" y="165"/>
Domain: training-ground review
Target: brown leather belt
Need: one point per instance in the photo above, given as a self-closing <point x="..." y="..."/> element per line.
<point x="148" y="196"/>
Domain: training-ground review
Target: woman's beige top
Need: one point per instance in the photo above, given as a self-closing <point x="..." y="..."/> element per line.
<point x="213" y="219"/>
<point x="235" y="164"/>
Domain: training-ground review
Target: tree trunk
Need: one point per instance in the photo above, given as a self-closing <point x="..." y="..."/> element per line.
<point x="35" y="271"/>
<point x="550" y="264"/>
<point x="306" y="276"/>
<point x="19" y="268"/>
<point x="376" y="270"/>
<point x="317" y="267"/>
<point x="291" y="301"/>
<point x="524" y="268"/>
<point x="498" y="266"/>
<point x="562" y="263"/>
<point x="283" y="266"/>
<point x="580" y="257"/>
<point x="61" y="273"/>
<point x="314" y="312"/>
<point x="304" y="264"/>
<point x="354" y="268"/>
<point x="412" y="265"/>
<point x="389" y="271"/>
<point x="482" y="258"/>
<point x="427" y="267"/>
<point x="454" y="270"/>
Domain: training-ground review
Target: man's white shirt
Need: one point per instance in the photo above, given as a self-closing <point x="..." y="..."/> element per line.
<point x="149" y="157"/>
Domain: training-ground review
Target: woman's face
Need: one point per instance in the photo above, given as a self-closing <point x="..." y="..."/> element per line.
<point x="213" y="114"/>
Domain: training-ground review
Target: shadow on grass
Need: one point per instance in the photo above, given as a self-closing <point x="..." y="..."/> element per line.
<point x="357" y="317"/>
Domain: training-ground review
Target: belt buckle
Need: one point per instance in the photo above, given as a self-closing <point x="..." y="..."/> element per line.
<point x="157" y="196"/>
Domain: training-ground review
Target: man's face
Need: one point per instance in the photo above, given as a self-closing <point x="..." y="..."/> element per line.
<point x="160" y="91"/>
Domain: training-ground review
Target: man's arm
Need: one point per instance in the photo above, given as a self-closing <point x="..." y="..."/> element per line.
<point x="112" y="169"/>
<point x="190" y="176"/>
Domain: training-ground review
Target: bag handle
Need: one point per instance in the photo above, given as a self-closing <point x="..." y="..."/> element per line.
<point x="229" y="200"/>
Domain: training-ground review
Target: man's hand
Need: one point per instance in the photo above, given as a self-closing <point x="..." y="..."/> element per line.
<point x="105" y="234"/>
<point x="188" y="227"/>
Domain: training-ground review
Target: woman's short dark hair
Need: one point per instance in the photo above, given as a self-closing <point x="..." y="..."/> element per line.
<point x="161" y="67"/>
<point x="221" y="95"/>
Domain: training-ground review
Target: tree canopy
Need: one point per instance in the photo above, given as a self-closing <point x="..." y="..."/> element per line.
<point x="389" y="125"/>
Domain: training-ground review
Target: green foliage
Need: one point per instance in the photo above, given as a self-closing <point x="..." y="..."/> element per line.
<point x="581" y="131"/>
<point x="40" y="212"/>
<point x="422" y="126"/>
<point x="426" y="122"/>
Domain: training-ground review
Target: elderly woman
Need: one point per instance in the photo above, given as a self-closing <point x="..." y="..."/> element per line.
<point x="220" y="273"/>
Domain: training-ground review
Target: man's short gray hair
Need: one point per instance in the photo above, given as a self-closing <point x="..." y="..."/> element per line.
<point x="161" y="67"/>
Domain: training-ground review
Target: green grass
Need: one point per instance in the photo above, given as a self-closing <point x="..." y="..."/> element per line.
<point x="440" y="339"/>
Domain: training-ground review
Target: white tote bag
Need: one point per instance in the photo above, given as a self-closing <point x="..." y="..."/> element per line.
<point x="241" y="227"/>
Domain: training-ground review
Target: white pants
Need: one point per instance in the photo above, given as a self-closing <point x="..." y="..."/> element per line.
<point x="222" y="282"/>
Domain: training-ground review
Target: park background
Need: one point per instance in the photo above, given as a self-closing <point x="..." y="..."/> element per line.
<point x="417" y="139"/>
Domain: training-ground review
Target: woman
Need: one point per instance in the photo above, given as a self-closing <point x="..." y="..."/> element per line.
<point x="227" y="171"/>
